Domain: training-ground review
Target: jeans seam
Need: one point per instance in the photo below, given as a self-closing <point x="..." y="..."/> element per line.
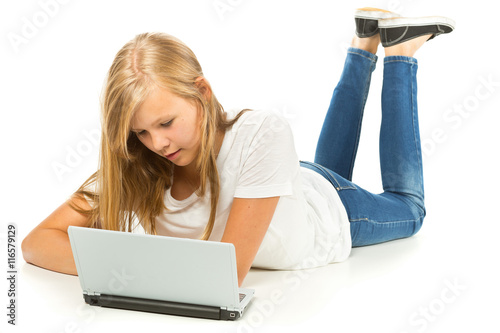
<point x="401" y="60"/>
<point x="420" y="216"/>
<point x="416" y="139"/>
<point x="358" y="134"/>
<point x="373" y="61"/>
<point x="362" y="55"/>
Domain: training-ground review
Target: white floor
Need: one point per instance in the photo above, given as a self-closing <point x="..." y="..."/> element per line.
<point x="285" y="55"/>
<point x="421" y="284"/>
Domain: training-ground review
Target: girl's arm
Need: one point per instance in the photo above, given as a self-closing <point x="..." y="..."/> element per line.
<point x="246" y="227"/>
<point x="48" y="246"/>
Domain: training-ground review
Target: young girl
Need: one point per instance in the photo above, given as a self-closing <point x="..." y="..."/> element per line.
<point x="174" y="160"/>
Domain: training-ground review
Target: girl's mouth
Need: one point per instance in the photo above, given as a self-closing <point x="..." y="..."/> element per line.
<point x="173" y="156"/>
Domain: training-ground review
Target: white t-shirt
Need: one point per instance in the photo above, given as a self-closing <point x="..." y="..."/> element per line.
<point x="257" y="159"/>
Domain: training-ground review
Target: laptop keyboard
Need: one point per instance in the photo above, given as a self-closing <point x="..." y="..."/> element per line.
<point x="242" y="296"/>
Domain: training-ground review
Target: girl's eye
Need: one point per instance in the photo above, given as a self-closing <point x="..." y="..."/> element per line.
<point x="168" y="123"/>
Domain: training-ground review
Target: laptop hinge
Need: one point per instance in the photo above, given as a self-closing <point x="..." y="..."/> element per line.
<point x="229" y="313"/>
<point x="91" y="297"/>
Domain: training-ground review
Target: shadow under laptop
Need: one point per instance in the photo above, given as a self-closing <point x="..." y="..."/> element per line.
<point x="292" y="297"/>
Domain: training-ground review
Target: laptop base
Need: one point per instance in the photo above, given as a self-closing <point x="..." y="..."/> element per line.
<point x="163" y="307"/>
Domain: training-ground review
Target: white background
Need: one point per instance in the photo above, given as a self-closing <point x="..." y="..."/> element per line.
<point x="287" y="56"/>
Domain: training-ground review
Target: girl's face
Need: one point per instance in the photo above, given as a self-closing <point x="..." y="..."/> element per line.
<point x="169" y="126"/>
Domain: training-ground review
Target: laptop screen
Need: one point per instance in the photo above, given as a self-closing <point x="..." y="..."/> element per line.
<point x="155" y="267"/>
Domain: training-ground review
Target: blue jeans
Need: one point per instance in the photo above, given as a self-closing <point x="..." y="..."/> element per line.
<point x="398" y="212"/>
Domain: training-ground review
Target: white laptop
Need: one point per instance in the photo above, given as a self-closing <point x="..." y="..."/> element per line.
<point x="158" y="274"/>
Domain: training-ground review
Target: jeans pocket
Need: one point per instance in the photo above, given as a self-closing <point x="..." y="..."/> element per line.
<point x="339" y="182"/>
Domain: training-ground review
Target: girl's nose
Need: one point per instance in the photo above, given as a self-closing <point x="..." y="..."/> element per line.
<point x="159" y="142"/>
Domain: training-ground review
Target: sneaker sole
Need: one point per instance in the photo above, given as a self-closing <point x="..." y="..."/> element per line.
<point x="374" y="14"/>
<point x="416" y="21"/>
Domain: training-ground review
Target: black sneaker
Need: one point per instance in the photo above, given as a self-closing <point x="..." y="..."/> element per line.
<point x="394" y="31"/>
<point x="367" y="20"/>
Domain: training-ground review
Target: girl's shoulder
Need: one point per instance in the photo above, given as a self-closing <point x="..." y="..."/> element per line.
<point x="260" y="126"/>
<point x="257" y="118"/>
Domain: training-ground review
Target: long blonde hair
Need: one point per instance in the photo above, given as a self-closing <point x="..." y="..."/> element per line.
<point x="131" y="180"/>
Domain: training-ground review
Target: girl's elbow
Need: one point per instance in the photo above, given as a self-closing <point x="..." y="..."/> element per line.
<point x="26" y="249"/>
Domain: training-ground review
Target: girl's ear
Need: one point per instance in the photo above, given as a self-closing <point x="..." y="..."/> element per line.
<point x="204" y="87"/>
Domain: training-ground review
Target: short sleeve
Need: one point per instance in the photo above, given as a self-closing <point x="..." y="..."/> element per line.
<point x="268" y="159"/>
